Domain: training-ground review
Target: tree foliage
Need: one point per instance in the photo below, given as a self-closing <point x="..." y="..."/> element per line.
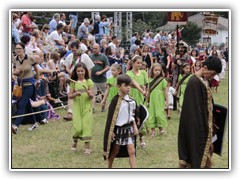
<point x="140" y="26"/>
<point x="191" y="33"/>
<point x="148" y="20"/>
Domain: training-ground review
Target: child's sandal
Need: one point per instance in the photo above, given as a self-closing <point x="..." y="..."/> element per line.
<point x="87" y="151"/>
<point x="143" y="145"/>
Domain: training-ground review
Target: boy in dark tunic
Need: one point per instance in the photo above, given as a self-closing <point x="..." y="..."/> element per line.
<point x="121" y="129"/>
<point x="195" y="133"/>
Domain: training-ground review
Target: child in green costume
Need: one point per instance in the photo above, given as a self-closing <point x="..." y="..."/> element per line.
<point x="81" y="91"/>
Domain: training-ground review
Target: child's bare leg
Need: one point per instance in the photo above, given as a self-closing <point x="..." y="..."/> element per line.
<point x="87" y="145"/>
<point x="113" y="154"/>
<point x="153" y="132"/>
<point x="169" y="113"/>
<point x="132" y="157"/>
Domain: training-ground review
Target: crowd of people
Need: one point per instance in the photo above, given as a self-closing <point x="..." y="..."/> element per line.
<point x="87" y="64"/>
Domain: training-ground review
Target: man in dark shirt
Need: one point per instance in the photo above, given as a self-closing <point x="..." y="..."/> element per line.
<point x="98" y="74"/>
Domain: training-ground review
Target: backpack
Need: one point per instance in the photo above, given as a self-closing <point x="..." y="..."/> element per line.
<point x="96" y="27"/>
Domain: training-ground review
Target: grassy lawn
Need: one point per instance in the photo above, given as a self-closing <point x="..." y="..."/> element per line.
<point x="49" y="146"/>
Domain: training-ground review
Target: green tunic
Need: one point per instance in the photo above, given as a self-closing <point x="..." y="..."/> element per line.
<point x="113" y="91"/>
<point x="157" y="117"/>
<point x="82" y="112"/>
<point x="141" y="80"/>
<point x="182" y="89"/>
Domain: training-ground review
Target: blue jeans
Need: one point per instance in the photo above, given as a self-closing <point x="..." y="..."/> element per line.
<point x="74" y="24"/>
<point x="24" y="105"/>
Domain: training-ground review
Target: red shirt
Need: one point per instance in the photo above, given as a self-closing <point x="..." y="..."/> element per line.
<point x="26" y="21"/>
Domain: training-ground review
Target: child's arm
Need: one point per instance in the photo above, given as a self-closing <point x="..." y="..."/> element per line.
<point x="166" y="97"/>
<point x="90" y="92"/>
<point x="72" y="94"/>
<point x="135" y="129"/>
<point x="103" y="102"/>
<point x="138" y="87"/>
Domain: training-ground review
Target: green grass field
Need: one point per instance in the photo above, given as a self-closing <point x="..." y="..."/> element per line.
<point x="50" y="145"/>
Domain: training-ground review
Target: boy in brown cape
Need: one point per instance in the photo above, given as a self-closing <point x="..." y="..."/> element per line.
<point x="195" y="142"/>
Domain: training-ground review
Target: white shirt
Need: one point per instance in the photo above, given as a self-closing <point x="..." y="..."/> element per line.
<point x="62" y="22"/>
<point x="157" y="37"/>
<point x="84" y="59"/>
<point x="126" y="113"/>
<point x="55" y="36"/>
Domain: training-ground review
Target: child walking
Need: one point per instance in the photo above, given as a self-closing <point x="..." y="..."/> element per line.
<point x="182" y="83"/>
<point x="112" y="89"/>
<point x="170" y="92"/>
<point x="81" y="92"/>
<point x="138" y="90"/>
<point x="156" y="95"/>
<point x="121" y="129"/>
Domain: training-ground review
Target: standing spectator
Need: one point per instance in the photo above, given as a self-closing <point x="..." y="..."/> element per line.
<point x="84" y="30"/>
<point x="98" y="37"/>
<point x="99" y="71"/>
<point x="195" y="143"/>
<point x="111" y="55"/>
<point x="165" y="61"/>
<point x="226" y="57"/>
<point x="22" y="67"/>
<point x="81" y="92"/>
<point x="73" y="16"/>
<point x="102" y="25"/>
<point x="54" y="22"/>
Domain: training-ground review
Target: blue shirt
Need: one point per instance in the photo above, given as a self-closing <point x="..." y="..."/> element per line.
<point x="101" y="27"/>
<point x="52" y="25"/>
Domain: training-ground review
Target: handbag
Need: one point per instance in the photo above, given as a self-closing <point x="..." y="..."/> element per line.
<point x="17" y="91"/>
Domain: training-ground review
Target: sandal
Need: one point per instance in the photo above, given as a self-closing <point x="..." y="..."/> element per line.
<point x="68" y="117"/>
<point x="153" y="134"/>
<point x="87" y="152"/>
<point x="143" y="145"/>
<point x="161" y="130"/>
